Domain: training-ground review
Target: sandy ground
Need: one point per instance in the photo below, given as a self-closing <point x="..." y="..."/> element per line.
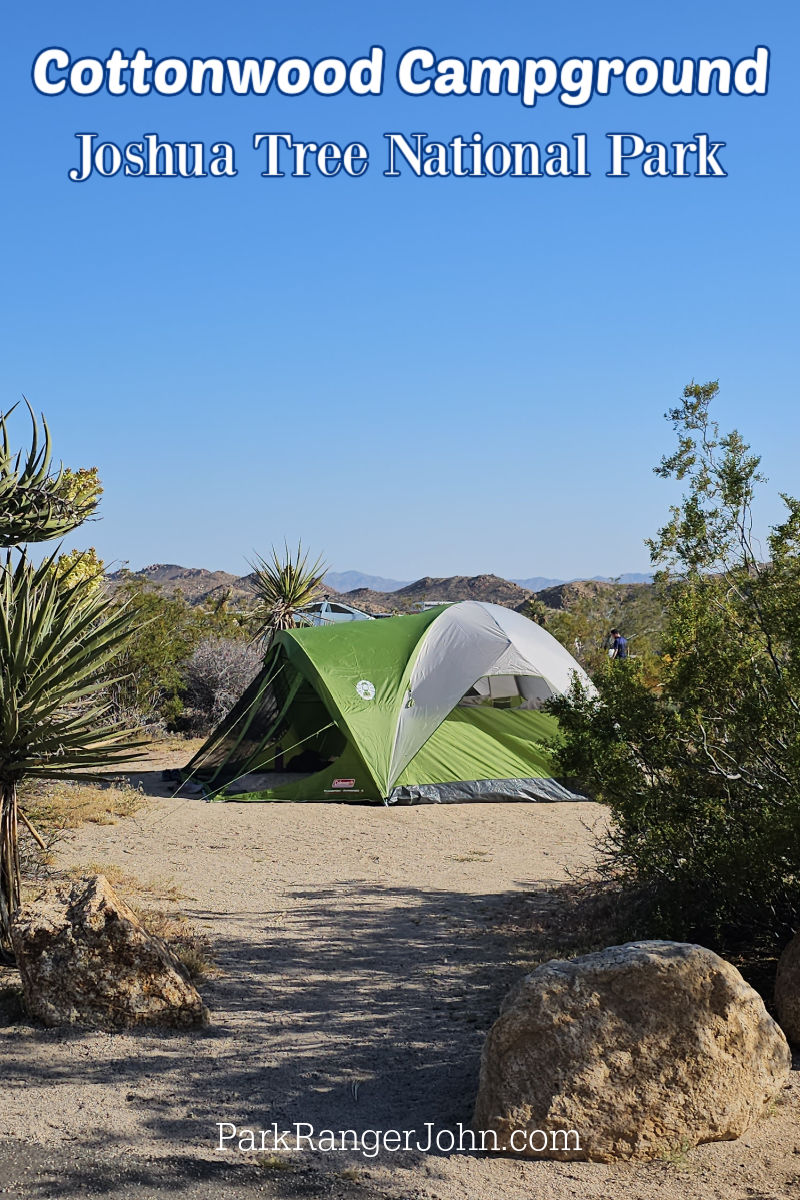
<point x="359" y="969"/>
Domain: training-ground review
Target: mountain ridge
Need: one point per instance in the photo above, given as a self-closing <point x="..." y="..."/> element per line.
<point x="350" y="581"/>
<point x="199" y="585"/>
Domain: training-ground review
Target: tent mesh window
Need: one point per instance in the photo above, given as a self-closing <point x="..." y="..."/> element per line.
<point x="279" y="724"/>
<point x="507" y="691"/>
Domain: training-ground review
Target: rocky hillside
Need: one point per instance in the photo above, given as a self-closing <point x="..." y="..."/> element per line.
<point x="447" y="589"/>
<point x="195" y="583"/>
<point x="566" y="595"/>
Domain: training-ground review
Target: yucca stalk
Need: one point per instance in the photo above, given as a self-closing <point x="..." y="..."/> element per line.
<point x="283" y="587"/>
<point x="57" y="634"/>
<point x="37" y="503"/>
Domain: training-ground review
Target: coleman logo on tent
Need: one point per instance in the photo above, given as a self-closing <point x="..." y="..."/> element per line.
<point x="344" y="783"/>
<point x="365" y="689"/>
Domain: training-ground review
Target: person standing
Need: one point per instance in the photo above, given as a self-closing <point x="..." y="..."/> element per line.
<point x="619" y="645"/>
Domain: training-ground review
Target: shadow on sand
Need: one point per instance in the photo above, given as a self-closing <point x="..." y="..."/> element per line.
<point x="359" y="1007"/>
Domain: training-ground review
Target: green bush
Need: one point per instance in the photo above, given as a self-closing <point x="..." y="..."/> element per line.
<point x="150" y="674"/>
<point x="701" y="769"/>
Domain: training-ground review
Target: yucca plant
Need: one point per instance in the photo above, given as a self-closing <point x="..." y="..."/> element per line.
<point x="57" y="634"/>
<point x="283" y="587"/>
<point x="37" y="503"/>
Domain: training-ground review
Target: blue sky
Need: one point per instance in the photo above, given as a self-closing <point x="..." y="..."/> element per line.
<point x="414" y="376"/>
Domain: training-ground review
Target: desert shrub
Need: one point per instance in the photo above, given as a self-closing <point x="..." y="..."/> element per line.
<point x="149" y="676"/>
<point x="214" y="678"/>
<point x="702" y="774"/>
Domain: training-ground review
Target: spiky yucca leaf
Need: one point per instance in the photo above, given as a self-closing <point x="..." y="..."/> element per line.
<point x="57" y="633"/>
<point x="283" y="587"/>
<point x="36" y="503"/>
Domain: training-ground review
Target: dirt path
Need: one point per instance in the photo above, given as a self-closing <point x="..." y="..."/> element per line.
<point x="359" y="971"/>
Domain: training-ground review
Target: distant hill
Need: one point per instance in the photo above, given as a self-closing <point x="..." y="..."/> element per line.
<point x="463" y="587"/>
<point x="194" y="582"/>
<point x="630" y="577"/>
<point x="447" y="589"/>
<point x="564" y="595"/>
<point x="536" y="583"/>
<point x="348" y="581"/>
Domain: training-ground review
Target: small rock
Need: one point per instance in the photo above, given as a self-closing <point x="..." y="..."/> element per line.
<point x="787" y="991"/>
<point x="644" y="1050"/>
<point x="85" y="959"/>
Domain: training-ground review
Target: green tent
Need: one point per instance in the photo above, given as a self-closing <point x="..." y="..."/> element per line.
<point x="443" y="705"/>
